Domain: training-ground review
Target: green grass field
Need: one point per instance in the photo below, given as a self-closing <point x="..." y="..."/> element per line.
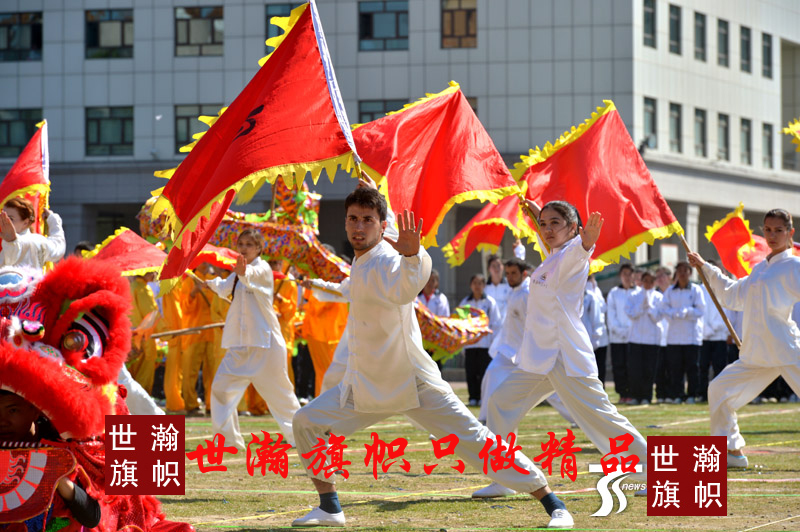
<point x="766" y="496"/>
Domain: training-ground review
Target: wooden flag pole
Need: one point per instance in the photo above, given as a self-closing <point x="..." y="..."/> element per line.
<point x="713" y="297"/>
<point x="188" y="330"/>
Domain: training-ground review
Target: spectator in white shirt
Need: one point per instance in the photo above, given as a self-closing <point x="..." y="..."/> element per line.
<point x="619" y="328"/>
<point x="714" y="353"/>
<point x="594" y="319"/>
<point x="645" y="339"/>
<point x="684" y="306"/>
<point x="433" y="299"/>
<point x="476" y="356"/>
<point x="21" y="247"/>
<point x="519" y="249"/>
<point x="497" y="287"/>
<point x="663" y="281"/>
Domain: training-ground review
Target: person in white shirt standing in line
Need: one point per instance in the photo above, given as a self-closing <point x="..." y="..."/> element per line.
<point x="388" y="372"/>
<point x="435" y="301"/>
<point x="619" y="328"/>
<point x="663" y="282"/>
<point x="556" y="352"/>
<point x="594" y="319"/>
<point x="497" y="287"/>
<point x="714" y="352"/>
<point x="256" y="350"/>
<point x="645" y="339"/>
<point x="21" y="247"/>
<point x="476" y="356"/>
<point x="770" y="339"/>
<point x="683" y="306"/>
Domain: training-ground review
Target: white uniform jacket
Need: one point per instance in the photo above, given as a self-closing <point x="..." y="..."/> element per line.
<point x="594" y="316"/>
<point x="684" y="309"/>
<point x="251" y="320"/>
<point x="619" y="324"/>
<point x="384" y="339"/>
<point x="437" y="304"/>
<point x="553" y="325"/>
<point x="646" y="322"/>
<point x="766" y="297"/>
<point x="492" y="310"/>
<point x="509" y="339"/>
<point x="32" y="249"/>
<point x="500" y="293"/>
<point x="714" y="328"/>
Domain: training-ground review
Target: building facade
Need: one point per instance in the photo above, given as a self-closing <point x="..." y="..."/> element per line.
<point x="703" y="87"/>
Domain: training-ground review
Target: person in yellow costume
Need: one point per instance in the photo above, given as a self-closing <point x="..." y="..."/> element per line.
<point x="322" y="328"/>
<point x="198" y="348"/>
<point x="144" y="302"/>
<point x="172" y="304"/>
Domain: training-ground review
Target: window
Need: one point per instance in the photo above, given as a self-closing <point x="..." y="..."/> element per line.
<point x="277" y="10"/>
<point x="675" y="29"/>
<point x="650" y="134"/>
<point x="722" y="43"/>
<point x="369" y="110"/>
<point x="746" y="142"/>
<point x="199" y="30"/>
<point x="723" y="138"/>
<point x="17" y="126"/>
<point x="187" y="124"/>
<point x="700" y="132"/>
<point x="21" y="36"/>
<point x="109" y="33"/>
<point x="745" y="45"/>
<point x="109" y="131"/>
<point x="675" y="128"/>
<point x="700" y="36"/>
<point x="459" y="23"/>
<point x="383" y="25"/>
<point x="766" y="146"/>
<point x="766" y="55"/>
<point x="650" y="23"/>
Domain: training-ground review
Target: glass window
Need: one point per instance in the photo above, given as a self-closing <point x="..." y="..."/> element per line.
<point x="369" y="110"/>
<point x="199" y="31"/>
<point x="21" y="36"/>
<point x="766" y="55"/>
<point x="650" y="23"/>
<point x="17" y="126"/>
<point x="109" y="131"/>
<point x="109" y="33"/>
<point x="722" y="42"/>
<point x="700" y="36"/>
<point x="675" y="128"/>
<point x="723" y="137"/>
<point x="650" y="122"/>
<point x="766" y="146"/>
<point x="675" y="29"/>
<point x="746" y="53"/>
<point x="278" y="10"/>
<point x="459" y="23"/>
<point x="746" y="141"/>
<point x="700" y="132"/>
<point x="187" y="124"/>
<point x="383" y="25"/>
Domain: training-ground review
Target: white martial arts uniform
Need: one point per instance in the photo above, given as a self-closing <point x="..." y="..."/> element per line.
<point x="256" y="353"/>
<point x="557" y="354"/>
<point x="388" y="371"/>
<point x="138" y="401"/>
<point x="500" y="293"/>
<point x="34" y="250"/>
<point x="770" y="339"/>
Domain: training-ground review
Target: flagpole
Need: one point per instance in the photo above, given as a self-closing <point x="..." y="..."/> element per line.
<point x="713" y="297"/>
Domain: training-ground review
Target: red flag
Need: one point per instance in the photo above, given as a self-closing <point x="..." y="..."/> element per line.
<point x="132" y="254"/>
<point x="219" y="257"/>
<point x="434" y="153"/>
<point x="30" y="176"/>
<point x="485" y="230"/>
<point x="596" y="167"/>
<point x="282" y="124"/>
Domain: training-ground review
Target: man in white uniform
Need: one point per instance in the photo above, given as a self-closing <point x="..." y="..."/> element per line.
<point x="388" y="371"/>
<point x="619" y="328"/>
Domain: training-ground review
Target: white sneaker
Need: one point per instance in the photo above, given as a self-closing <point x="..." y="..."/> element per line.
<point x="690" y="401"/>
<point x="319" y="517"/>
<point x="644" y="402"/>
<point x="560" y="519"/>
<point x="493" y="490"/>
<point x="737" y="461"/>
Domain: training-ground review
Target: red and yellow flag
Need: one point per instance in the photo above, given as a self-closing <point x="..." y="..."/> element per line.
<point x="433" y="154"/>
<point x="596" y="167"/>
<point x="132" y="254"/>
<point x="283" y="123"/>
<point x="30" y="176"/>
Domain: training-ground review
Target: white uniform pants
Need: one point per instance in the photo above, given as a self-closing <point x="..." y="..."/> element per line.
<point x="737" y="385"/>
<point x="266" y="369"/>
<point x="138" y="401"/>
<point x="441" y="413"/>
<point x="584" y="398"/>
<point x="500" y="367"/>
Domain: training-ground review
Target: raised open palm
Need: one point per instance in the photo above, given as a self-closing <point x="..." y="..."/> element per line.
<point x="591" y="231"/>
<point x="408" y="240"/>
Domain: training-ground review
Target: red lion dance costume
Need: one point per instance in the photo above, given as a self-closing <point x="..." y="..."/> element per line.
<point x="63" y="339"/>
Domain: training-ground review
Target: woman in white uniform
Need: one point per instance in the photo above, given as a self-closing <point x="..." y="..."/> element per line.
<point x="556" y="352"/>
<point x="770" y="338"/>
